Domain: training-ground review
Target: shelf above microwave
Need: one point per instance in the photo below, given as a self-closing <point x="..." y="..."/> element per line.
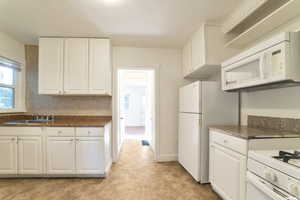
<point x="280" y="16"/>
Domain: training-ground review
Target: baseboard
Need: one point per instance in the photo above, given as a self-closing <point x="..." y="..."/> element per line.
<point x="167" y="158"/>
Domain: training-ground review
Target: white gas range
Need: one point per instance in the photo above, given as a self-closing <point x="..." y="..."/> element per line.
<point x="273" y="174"/>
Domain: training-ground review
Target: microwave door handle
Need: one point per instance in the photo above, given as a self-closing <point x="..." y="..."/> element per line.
<point x="263" y="65"/>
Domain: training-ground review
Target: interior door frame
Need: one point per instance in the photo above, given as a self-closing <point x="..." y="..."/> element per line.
<point x="115" y="109"/>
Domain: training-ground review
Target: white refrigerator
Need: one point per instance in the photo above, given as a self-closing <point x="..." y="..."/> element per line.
<point x="202" y="104"/>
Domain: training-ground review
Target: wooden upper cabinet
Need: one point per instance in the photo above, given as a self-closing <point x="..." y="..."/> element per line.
<point x="76" y="66"/>
<point x="207" y="51"/>
<point x="51" y="65"/>
<point x="100" y="66"/>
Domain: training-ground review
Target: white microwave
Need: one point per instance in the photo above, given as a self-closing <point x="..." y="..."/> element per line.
<point x="273" y="61"/>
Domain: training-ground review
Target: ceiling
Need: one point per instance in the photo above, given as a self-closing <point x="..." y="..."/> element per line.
<point x="143" y="23"/>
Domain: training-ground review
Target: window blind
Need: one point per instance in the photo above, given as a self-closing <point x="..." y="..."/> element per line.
<point x="10" y="63"/>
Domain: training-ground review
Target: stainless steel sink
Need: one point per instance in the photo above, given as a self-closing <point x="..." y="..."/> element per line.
<point x="29" y="122"/>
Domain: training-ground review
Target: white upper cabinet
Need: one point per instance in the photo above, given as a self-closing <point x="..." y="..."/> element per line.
<point x="204" y="52"/>
<point x="198" y="49"/>
<point x="51" y="65"/>
<point x="99" y="66"/>
<point x="75" y="66"/>
<point x="187" y="59"/>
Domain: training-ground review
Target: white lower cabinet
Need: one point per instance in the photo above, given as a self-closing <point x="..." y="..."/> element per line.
<point x="90" y="155"/>
<point x="227" y="166"/>
<point x="60" y="155"/>
<point x="30" y="155"/>
<point x="228" y="173"/>
<point x="8" y="155"/>
<point x="61" y="151"/>
<point x="82" y="152"/>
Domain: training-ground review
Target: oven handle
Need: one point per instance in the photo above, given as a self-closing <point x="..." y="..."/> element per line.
<point x="267" y="188"/>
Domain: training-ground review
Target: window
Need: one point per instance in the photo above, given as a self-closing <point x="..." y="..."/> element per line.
<point x="126" y="102"/>
<point x="9" y="85"/>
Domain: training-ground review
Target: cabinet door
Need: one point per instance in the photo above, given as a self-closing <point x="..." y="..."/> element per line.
<point x="187" y="59"/>
<point x="198" y="49"/>
<point x="51" y="65"/>
<point x="211" y="161"/>
<point x="90" y="155"/>
<point x="229" y="172"/>
<point x="60" y="155"/>
<point x="100" y="66"/>
<point x="30" y="155"/>
<point x="76" y="66"/>
<point x="8" y="155"/>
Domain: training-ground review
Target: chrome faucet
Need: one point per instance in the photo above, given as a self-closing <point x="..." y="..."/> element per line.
<point x="46" y="117"/>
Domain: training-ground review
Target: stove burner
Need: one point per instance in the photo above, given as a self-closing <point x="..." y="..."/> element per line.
<point x="286" y="156"/>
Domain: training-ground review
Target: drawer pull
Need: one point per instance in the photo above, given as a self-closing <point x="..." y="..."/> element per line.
<point x="89" y="132"/>
<point x="59" y="132"/>
<point x="225" y="141"/>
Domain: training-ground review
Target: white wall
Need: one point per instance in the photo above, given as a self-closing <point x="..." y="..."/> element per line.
<point x="284" y="102"/>
<point x="11" y="48"/>
<point x="169" y="62"/>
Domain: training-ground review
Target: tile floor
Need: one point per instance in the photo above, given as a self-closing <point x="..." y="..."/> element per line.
<point x="134" y="177"/>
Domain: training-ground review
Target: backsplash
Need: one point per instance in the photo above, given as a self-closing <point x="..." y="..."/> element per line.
<point x="280" y="124"/>
<point x="59" y="105"/>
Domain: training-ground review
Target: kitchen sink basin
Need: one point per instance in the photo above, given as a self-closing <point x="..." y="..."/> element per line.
<point x="29" y="122"/>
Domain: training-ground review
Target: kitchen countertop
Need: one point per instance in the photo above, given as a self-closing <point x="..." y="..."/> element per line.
<point x="245" y="132"/>
<point x="64" y="121"/>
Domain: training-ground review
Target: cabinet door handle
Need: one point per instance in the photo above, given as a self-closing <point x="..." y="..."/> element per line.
<point x="13" y="139"/>
<point x="71" y="140"/>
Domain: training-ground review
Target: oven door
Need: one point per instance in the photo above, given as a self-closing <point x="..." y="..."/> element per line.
<point x="259" y="189"/>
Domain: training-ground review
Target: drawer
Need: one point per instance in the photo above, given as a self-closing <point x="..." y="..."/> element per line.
<point x="22" y="131"/>
<point x="58" y="131"/>
<point x="231" y="142"/>
<point x="85" y="132"/>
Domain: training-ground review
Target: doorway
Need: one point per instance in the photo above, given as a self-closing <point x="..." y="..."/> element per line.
<point x="136" y="106"/>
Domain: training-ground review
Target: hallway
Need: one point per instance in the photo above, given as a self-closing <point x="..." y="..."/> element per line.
<point x="134" y="177"/>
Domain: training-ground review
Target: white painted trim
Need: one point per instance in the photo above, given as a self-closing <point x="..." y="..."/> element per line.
<point x="167" y="158"/>
<point x="156" y="68"/>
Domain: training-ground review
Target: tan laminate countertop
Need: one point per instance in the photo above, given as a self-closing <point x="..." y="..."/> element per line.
<point x="63" y="122"/>
<point x="253" y="133"/>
